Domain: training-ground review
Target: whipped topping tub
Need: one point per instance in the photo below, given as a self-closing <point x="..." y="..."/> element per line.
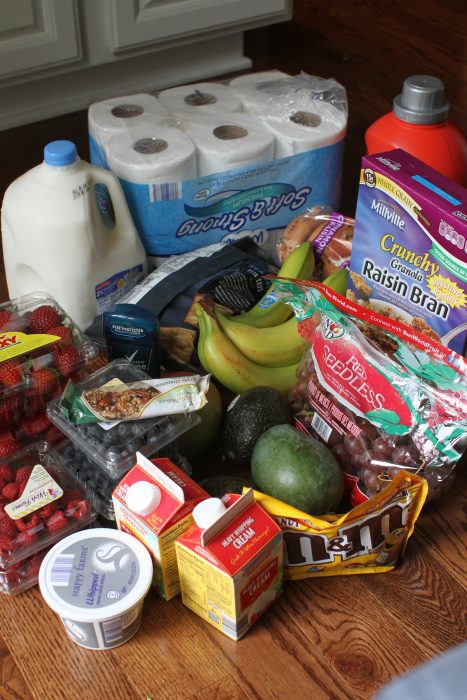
<point x="97" y="581"/>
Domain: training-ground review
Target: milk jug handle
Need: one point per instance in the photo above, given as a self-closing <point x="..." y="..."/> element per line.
<point x="123" y="220"/>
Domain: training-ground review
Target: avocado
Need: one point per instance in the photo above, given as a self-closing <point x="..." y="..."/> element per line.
<point x="221" y="484"/>
<point x="247" y="417"/>
<point x="297" y="469"/>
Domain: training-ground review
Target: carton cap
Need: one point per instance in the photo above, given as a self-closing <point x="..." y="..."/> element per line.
<point x="207" y="512"/>
<point x="143" y="497"/>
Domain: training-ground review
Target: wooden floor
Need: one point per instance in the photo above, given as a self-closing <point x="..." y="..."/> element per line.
<point x="340" y="637"/>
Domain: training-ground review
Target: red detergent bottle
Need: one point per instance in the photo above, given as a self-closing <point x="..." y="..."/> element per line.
<point x="419" y="124"/>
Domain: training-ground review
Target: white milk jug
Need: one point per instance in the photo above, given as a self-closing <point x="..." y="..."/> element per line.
<point x="58" y="238"/>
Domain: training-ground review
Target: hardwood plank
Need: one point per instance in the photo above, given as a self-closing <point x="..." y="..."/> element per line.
<point x="38" y="642"/>
<point x="12" y="684"/>
<point x="225" y="689"/>
<point x="348" y="626"/>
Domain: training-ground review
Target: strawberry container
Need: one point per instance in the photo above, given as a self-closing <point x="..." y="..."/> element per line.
<point x="40" y="503"/>
<point x="96" y="482"/>
<point x="112" y="446"/>
<point x="40" y="350"/>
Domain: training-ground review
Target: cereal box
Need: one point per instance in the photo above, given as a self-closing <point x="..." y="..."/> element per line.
<point x="409" y="249"/>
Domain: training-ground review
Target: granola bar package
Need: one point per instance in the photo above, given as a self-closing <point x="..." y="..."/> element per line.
<point x="382" y="396"/>
<point x="371" y="538"/>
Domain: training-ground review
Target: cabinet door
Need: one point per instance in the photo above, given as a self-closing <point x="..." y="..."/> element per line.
<point x="36" y="34"/>
<point x="156" y="21"/>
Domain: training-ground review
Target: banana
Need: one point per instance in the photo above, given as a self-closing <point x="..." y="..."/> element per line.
<point x="271" y="347"/>
<point x="300" y="264"/>
<point x="230" y="367"/>
<point x="337" y="281"/>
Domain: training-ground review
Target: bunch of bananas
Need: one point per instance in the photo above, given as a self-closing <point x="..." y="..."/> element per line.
<point x="261" y="347"/>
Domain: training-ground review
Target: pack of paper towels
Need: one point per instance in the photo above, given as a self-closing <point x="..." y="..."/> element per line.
<point x="199" y="130"/>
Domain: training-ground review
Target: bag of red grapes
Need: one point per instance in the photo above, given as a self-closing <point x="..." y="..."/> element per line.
<point x="382" y="396"/>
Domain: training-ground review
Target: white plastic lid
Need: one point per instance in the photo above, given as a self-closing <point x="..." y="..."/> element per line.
<point x="207" y="512"/>
<point x="95" y="575"/>
<point x="143" y="497"/>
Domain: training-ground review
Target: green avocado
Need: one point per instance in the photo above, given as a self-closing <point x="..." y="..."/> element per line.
<point x="297" y="469"/>
<point x="247" y="417"/>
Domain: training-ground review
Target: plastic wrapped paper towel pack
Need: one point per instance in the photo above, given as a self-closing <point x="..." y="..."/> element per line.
<point x="256" y="89"/>
<point x="117" y="116"/>
<point x="227" y="141"/>
<point x="153" y="154"/>
<point x="200" y="98"/>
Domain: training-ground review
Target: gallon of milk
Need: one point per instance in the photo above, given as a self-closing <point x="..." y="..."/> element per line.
<point x="67" y="230"/>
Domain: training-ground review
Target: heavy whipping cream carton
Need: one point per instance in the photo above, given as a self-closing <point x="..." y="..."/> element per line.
<point x="230" y="563"/>
<point x="154" y="502"/>
<point x="409" y="249"/>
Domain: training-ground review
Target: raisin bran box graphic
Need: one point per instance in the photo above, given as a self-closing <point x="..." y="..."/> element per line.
<point x="231" y="572"/>
<point x="159" y="528"/>
<point x="409" y="248"/>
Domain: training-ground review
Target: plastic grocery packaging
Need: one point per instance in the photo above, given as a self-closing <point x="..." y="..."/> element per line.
<point x="40" y="350"/>
<point x="96" y="581"/>
<point x="67" y="230"/>
<point x="419" y="124"/>
<point x="42" y="504"/>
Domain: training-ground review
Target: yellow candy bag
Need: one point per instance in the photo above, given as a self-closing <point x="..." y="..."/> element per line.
<point x="370" y="538"/>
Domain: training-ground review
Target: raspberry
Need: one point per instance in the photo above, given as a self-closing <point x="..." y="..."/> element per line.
<point x="47" y="511"/>
<point x="64" y="332"/>
<point x="34" y="564"/>
<point x="54" y="435"/>
<point x="13" y="576"/>
<point x="42" y="382"/>
<point x="26" y="538"/>
<point x="8" y="528"/>
<point x="71" y="495"/>
<point x="57" y="521"/>
<point x="8" y="445"/>
<point x="29" y="522"/>
<point x="6" y="473"/>
<point x="6" y="544"/>
<point x="21" y="486"/>
<point x="10" y="491"/>
<point x="10" y="373"/>
<point x="4" y="318"/>
<point x="77" y="510"/>
<point x="23" y="473"/>
<point x="43" y="318"/>
<point x="67" y="360"/>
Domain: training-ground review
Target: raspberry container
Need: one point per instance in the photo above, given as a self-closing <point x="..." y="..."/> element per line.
<point x="96" y="482"/>
<point x="40" y="503"/>
<point x="40" y="349"/>
<point x="112" y="446"/>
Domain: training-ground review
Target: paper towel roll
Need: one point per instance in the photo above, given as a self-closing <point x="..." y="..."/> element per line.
<point x="156" y="154"/>
<point x="118" y="115"/>
<point x="229" y="141"/>
<point x="256" y="90"/>
<point x="200" y="97"/>
<point x="308" y="125"/>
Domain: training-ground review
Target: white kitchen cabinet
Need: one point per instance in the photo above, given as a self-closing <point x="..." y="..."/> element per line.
<point x="57" y="56"/>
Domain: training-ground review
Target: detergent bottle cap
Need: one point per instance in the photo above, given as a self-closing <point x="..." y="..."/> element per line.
<point x="422" y="101"/>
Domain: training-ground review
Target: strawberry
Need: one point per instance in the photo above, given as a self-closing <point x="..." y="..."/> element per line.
<point x="54" y="435"/>
<point x="6" y="472"/>
<point x="4" y="318"/>
<point x="57" y="521"/>
<point x="10" y="491"/>
<point x="42" y="382"/>
<point x="64" y="332"/>
<point x="67" y="360"/>
<point x="10" y="373"/>
<point x="22" y="473"/>
<point x="8" y="444"/>
<point x="10" y="408"/>
<point x="43" y="318"/>
<point x="34" y="426"/>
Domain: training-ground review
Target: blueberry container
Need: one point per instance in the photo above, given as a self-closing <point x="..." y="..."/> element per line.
<point x="113" y="446"/>
<point x="40" y="503"/>
<point x="95" y="481"/>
